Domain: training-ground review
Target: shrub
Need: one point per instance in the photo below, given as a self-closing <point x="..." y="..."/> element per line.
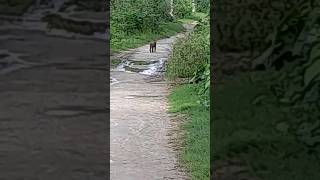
<point x="182" y="8"/>
<point x="130" y="16"/>
<point x="202" y="6"/>
<point x="190" y="55"/>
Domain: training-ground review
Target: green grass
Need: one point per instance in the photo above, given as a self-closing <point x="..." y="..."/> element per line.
<point x="115" y="62"/>
<point x="195" y="154"/>
<point x="185" y="21"/>
<point x="198" y="15"/>
<point x="16" y="7"/>
<point x="120" y="43"/>
<point x="257" y="132"/>
<point x="194" y="17"/>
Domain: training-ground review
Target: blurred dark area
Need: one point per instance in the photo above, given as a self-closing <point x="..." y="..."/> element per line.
<point x="265" y="97"/>
<point x="54" y="88"/>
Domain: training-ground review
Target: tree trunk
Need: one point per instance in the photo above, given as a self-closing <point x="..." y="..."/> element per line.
<point x="171" y="8"/>
<point x="193" y="6"/>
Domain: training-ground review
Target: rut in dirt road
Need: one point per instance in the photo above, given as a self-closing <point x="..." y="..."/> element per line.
<point x="140" y="124"/>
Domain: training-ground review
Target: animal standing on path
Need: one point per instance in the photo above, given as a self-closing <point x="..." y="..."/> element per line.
<point x="153" y="45"/>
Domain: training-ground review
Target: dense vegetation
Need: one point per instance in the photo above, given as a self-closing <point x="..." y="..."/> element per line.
<point x="182" y="8"/>
<point x="190" y="60"/>
<point x="267" y="101"/>
<point x="191" y="57"/>
<point x="134" y="23"/>
<point x="202" y="6"/>
<point x="134" y="16"/>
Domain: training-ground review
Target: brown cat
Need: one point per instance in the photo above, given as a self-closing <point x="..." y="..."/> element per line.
<point x="153" y="45"/>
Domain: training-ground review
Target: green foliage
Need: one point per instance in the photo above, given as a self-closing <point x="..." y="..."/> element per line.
<point x="190" y="54"/>
<point x="128" y="16"/>
<point x="115" y="62"/>
<point x="123" y="41"/>
<point x="136" y="22"/>
<point x="182" y="8"/>
<point x="202" y="6"/>
<point x="201" y="17"/>
<point x="191" y="58"/>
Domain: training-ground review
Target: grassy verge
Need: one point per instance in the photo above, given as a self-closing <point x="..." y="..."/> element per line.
<point x="198" y="16"/>
<point x="194" y="17"/>
<point x="195" y="154"/>
<point x="249" y="124"/>
<point x="139" y="39"/>
<point x="185" y="21"/>
<point x="16" y="7"/>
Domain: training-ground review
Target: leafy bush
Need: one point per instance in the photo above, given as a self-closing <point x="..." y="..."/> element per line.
<point x="130" y="16"/>
<point x="182" y="8"/>
<point x="202" y="6"/>
<point x="191" y="59"/>
<point x="136" y="22"/>
<point x="190" y="54"/>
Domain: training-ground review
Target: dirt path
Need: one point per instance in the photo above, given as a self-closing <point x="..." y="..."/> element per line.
<point x="140" y="148"/>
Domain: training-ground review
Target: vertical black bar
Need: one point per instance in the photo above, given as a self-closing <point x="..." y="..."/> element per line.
<point x="108" y="34"/>
<point x="213" y="59"/>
